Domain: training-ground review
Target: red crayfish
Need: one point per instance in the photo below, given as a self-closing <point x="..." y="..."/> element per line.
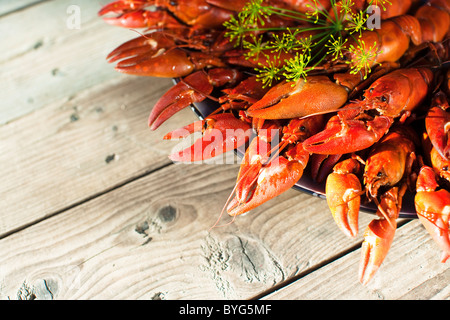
<point x="373" y="134"/>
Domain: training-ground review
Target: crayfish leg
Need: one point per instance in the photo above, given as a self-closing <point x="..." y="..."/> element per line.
<point x="343" y="193"/>
<point x="380" y="233"/>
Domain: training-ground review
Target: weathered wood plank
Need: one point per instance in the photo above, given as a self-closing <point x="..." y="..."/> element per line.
<point x="412" y="270"/>
<point x="79" y="147"/>
<point x="87" y="132"/>
<point x="11" y="6"/>
<point x="83" y="134"/>
<point x="43" y="48"/>
<point x="150" y="239"/>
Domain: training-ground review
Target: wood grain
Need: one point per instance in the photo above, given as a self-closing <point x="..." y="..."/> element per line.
<point x="151" y="239"/>
<point x="411" y="271"/>
<point x="93" y="209"/>
<point x="68" y="152"/>
<point x="7" y="7"/>
<point x="84" y="137"/>
<point x="44" y="50"/>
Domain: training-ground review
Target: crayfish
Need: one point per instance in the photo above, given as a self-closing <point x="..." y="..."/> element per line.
<point x="304" y="84"/>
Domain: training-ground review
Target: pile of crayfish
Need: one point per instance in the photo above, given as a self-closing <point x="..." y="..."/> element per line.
<point x="369" y="136"/>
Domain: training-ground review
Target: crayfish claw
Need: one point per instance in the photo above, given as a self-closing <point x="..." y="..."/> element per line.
<point x="380" y="233"/>
<point x="289" y="100"/>
<point x="437" y="124"/>
<point x="378" y="238"/>
<point x="220" y="133"/>
<point x="195" y="87"/>
<point x="343" y="193"/>
<point x="348" y="136"/>
<point x="122" y="6"/>
<point x="433" y="209"/>
<point x="275" y="177"/>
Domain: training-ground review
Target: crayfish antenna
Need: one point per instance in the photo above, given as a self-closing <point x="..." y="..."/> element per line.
<point x="346" y="108"/>
<point x="223" y="210"/>
<point x="220" y="217"/>
<point x="230" y="197"/>
<point x="384" y="214"/>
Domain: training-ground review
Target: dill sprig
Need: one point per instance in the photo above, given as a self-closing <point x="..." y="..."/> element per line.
<point x="321" y="34"/>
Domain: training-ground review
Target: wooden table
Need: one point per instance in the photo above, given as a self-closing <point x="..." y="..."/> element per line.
<point x="92" y="208"/>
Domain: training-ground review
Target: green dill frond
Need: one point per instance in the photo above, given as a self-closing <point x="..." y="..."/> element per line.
<point x="364" y="58"/>
<point x="236" y="30"/>
<point x="314" y="11"/>
<point x="306" y="44"/>
<point x="357" y="22"/>
<point x="381" y="3"/>
<point x="290" y="42"/>
<point x="346" y="7"/>
<point x="336" y="47"/>
<point x="269" y="72"/>
<point x="281" y="43"/>
<point x="254" y="47"/>
<point x="325" y="38"/>
<point x="297" y="68"/>
<point x="255" y="13"/>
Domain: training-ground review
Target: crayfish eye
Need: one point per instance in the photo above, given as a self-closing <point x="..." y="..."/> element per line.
<point x="207" y="43"/>
<point x="379" y="174"/>
<point x="384" y="99"/>
<point x="302" y="128"/>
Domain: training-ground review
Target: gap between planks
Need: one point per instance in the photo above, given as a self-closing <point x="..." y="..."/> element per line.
<point x="11" y="7"/>
<point x="85" y="200"/>
<point x="312" y="269"/>
<point x="255" y="260"/>
<point x="143" y="174"/>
